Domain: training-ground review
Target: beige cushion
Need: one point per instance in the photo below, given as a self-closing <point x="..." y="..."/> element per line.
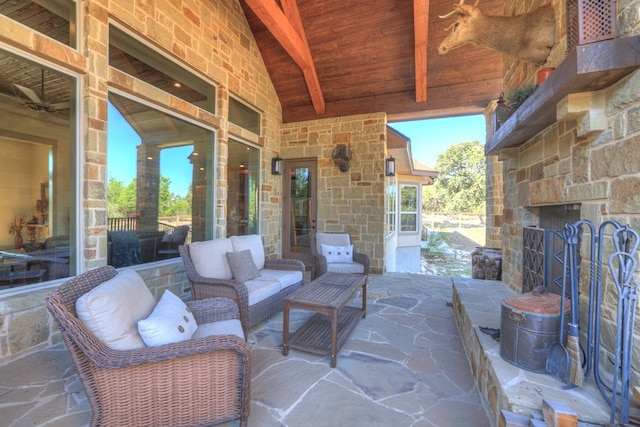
<point x="222" y="327"/>
<point x="112" y="310"/>
<point x="210" y="258"/>
<point x="286" y="278"/>
<point x="253" y="242"/>
<point x="242" y="266"/>
<point x="341" y="254"/>
<point x="345" y="267"/>
<point x="332" y="239"/>
<point x="170" y="321"/>
<point x="260" y="289"/>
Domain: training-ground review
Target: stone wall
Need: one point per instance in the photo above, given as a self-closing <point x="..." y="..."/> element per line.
<point x="350" y="201"/>
<point x="211" y="39"/>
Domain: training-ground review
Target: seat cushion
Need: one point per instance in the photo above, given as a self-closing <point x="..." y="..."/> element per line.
<point x="345" y="267"/>
<point x="342" y="254"/>
<point x="253" y="242"/>
<point x="242" y="266"/>
<point x="210" y="258"/>
<point x="222" y="327"/>
<point x="261" y="289"/>
<point x="112" y="310"/>
<point x="170" y="321"/>
<point x="286" y="278"/>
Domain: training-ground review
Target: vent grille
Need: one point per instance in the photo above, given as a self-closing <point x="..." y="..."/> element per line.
<point x="597" y="20"/>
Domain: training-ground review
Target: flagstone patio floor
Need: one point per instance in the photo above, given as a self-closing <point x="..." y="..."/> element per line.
<point x="404" y="365"/>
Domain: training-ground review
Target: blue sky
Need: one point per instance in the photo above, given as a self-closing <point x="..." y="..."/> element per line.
<point x="430" y="138"/>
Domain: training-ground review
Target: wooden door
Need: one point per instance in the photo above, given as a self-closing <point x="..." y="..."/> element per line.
<point x="299" y="208"/>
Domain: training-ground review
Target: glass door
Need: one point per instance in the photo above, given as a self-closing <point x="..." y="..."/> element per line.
<point x="299" y="208"/>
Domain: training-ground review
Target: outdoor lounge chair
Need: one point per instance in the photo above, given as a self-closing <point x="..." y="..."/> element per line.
<point x="199" y="381"/>
<point x="338" y="254"/>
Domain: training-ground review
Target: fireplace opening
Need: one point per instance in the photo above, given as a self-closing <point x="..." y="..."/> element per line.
<point x="542" y="252"/>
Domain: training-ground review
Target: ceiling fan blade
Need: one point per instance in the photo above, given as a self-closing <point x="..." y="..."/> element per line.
<point x="61" y="105"/>
<point x="30" y="93"/>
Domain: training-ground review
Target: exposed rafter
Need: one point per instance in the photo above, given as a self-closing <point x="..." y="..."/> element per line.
<point x="421" y="31"/>
<point x="287" y="28"/>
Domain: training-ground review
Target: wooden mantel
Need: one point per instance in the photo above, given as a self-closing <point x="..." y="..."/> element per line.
<point x="587" y="68"/>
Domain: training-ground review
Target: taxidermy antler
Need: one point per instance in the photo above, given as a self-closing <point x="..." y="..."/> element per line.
<point x="528" y="37"/>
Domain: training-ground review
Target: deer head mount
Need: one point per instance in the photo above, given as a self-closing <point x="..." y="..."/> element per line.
<point x="341" y="156"/>
<point x="528" y="37"/>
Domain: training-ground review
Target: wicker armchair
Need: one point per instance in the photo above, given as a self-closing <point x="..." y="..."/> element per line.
<point x="359" y="264"/>
<point x="201" y="381"/>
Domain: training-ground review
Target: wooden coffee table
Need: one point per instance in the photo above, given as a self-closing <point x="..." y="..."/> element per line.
<point x="328" y="329"/>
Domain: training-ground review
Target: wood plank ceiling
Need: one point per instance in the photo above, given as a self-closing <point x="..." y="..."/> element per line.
<point x="329" y="58"/>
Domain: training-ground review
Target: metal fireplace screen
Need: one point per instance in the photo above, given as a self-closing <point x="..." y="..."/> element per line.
<point x="542" y="257"/>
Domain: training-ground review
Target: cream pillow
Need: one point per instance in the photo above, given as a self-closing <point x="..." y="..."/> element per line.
<point x="171" y="321"/>
<point x="112" y="310"/>
<point x="341" y="254"/>
<point x="210" y="258"/>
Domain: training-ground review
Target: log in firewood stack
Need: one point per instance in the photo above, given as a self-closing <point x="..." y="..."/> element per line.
<point x="486" y="263"/>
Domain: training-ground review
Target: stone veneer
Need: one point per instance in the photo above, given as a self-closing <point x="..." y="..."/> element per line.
<point x="590" y="156"/>
<point x="350" y="201"/>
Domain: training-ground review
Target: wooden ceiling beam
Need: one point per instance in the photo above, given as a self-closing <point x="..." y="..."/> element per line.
<point x="421" y="31"/>
<point x="287" y="29"/>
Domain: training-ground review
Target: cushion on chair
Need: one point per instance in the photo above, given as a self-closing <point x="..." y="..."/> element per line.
<point x="222" y="327"/>
<point x="170" y="321"/>
<point x="112" y="310"/>
<point x="332" y="239"/>
<point x="261" y="289"/>
<point x="210" y="258"/>
<point x="242" y="266"/>
<point x="345" y="267"/>
<point x="253" y="242"/>
<point x="343" y="254"/>
<point x="286" y="278"/>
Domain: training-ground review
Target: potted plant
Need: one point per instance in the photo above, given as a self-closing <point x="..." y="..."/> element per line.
<point x="15" y="228"/>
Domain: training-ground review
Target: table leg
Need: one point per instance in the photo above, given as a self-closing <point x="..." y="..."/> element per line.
<point x="285" y="329"/>
<point x="364" y="299"/>
<point x="334" y="337"/>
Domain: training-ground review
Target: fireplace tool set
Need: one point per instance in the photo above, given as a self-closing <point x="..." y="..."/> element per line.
<point x="562" y="362"/>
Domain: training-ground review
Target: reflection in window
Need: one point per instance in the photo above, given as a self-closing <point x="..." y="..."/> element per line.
<point x="244" y="116"/>
<point x="300" y="206"/>
<point x="408" y="207"/>
<point x="160" y="178"/>
<point x="37" y="174"/>
<point x="242" y="176"/>
<point x="391" y="204"/>
<point x="138" y="60"/>
<point x="53" y="18"/>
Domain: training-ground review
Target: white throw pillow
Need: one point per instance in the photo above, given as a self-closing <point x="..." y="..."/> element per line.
<point x="338" y="253"/>
<point x="210" y="258"/>
<point x="171" y="321"/>
<point x="253" y="242"/>
<point x="112" y="310"/>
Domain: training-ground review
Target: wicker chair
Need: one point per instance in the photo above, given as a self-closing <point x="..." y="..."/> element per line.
<point x="203" y="381"/>
<point x="359" y="264"/>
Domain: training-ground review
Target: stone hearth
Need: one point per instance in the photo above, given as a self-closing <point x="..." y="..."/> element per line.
<point x="505" y="386"/>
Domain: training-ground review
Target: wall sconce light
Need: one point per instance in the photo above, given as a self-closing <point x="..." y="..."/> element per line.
<point x="341" y="156"/>
<point x="390" y="166"/>
<point x="276" y="166"/>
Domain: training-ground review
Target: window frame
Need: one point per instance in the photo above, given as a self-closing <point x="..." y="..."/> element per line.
<point x="403" y="212"/>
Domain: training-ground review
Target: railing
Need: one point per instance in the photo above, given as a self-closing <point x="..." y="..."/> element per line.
<point x="122" y="223"/>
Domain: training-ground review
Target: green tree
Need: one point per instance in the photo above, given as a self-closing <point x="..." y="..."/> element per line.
<point x="460" y="186"/>
<point x="122" y="199"/>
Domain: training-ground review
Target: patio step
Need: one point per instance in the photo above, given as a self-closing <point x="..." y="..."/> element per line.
<point x="505" y="386"/>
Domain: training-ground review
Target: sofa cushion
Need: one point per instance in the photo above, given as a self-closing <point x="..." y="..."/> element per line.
<point x="210" y="258"/>
<point x="260" y="289"/>
<point x="286" y="278"/>
<point x="346" y="267"/>
<point x="112" y="310"/>
<point x="253" y="242"/>
<point x="222" y="327"/>
<point x="242" y="266"/>
<point x="343" y="254"/>
<point x="170" y="321"/>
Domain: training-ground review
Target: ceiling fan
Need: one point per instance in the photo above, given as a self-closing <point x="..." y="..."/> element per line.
<point x="38" y="102"/>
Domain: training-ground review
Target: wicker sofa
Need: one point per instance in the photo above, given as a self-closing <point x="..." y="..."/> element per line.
<point x="211" y="275"/>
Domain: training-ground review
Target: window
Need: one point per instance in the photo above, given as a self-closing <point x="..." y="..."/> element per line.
<point x="37" y="173"/>
<point x="391" y="204"/>
<point x="408" y="207"/>
<point x="53" y="18"/>
<point x="140" y="61"/>
<point x="243" y="170"/>
<point x="160" y="183"/>
<point x="244" y="116"/>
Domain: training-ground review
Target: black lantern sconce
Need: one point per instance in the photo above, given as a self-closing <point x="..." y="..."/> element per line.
<point x="276" y="166"/>
<point x="390" y="166"/>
